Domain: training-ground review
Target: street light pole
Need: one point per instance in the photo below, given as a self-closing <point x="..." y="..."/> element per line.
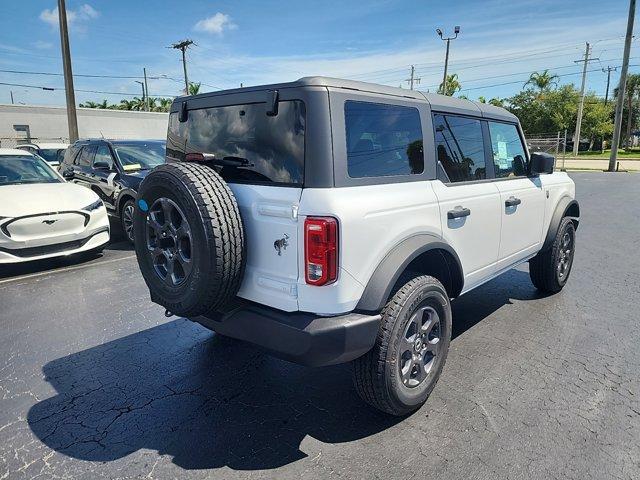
<point x="72" y="119"/>
<point x="446" y="57"/>
<point x="621" y="88"/>
<point x="146" y="89"/>
<point x="143" y="93"/>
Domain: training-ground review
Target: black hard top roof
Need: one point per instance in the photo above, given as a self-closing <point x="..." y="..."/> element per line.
<point x="436" y="101"/>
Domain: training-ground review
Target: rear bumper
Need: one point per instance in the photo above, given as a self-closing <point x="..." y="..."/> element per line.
<point x="303" y="338"/>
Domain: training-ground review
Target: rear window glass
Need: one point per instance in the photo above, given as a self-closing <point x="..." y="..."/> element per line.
<point x="52" y="154"/>
<point x="273" y="146"/>
<point x="383" y="140"/>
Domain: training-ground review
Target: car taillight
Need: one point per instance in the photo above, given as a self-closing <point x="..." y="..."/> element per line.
<point x="320" y="250"/>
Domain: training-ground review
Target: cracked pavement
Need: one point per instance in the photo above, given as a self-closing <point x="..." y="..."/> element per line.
<point x="96" y="383"/>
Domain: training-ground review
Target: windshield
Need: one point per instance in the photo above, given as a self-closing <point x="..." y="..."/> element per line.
<point x="266" y="149"/>
<point x="146" y="155"/>
<point x="52" y="154"/>
<point x="18" y="169"/>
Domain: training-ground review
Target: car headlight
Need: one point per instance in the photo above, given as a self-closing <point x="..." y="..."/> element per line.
<point x="94" y="206"/>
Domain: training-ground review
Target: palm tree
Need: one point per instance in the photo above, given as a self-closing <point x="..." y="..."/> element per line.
<point x="194" y="88"/>
<point x="453" y="85"/>
<point x="631" y="88"/>
<point x="542" y="81"/>
<point x="164" y="104"/>
<point x="127" y="104"/>
<point x="481" y="99"/>
<point x="89" y="104"/>
<point x="497" y="102"/>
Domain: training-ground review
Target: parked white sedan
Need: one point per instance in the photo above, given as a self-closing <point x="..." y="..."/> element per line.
<point x="43" y="216"/>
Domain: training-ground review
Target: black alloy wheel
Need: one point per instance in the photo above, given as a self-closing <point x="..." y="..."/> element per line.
<point x="169" y="242"/>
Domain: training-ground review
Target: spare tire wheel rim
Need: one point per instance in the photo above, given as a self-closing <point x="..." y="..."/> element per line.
<point x="419" y="346"/>
<point x="169" y="242"/>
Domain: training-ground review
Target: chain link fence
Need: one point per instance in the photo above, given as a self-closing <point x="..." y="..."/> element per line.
<point x="553" y="143"/>
<point x="12" y="142"/>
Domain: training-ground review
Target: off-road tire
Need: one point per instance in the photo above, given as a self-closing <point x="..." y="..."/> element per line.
<point x="544" y="267"/>
<point x="217" y="238"/>
<point x="376" y="374"/>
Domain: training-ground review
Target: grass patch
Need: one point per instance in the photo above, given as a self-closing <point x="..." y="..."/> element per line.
<point x="633" y="154"/>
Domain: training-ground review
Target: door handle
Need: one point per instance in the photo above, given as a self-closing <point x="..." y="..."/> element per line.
<point x="512" y="202"/>
<point x="458" y="212"/>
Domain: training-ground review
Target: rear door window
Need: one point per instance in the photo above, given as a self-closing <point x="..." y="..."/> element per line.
<point x="383" y="140"/>
<point x="256" y="148"/>
<point x="459" y="147"/>
<point x="85" y="157"/>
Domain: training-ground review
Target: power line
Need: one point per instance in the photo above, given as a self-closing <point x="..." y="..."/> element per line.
<point x="41" y="87"/>
<point x="55" y="74"/>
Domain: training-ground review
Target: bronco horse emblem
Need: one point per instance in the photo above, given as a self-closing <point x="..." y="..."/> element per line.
<point x="281" y="244"/>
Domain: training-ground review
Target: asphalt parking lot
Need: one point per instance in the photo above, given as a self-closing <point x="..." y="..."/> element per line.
<point x="95" y="382"/>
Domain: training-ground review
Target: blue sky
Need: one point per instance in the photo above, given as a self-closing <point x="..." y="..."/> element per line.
<point x="256" y="42"/>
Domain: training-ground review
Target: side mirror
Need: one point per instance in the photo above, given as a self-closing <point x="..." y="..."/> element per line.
<point x="541" y="163"/>
<point x="68" y="174"/>
<point x="101" y="165"/>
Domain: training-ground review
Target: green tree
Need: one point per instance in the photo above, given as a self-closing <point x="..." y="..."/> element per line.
<point x="194" y="88"/>
<point x="453" y="85"/>
<point x="632" y="88"/>
<point x="89" y="104"/>
<point x="542" y="81"/>
<point x="596" y="120"/>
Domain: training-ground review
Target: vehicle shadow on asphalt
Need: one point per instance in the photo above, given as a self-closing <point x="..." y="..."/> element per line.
<point x="210" y="402"/>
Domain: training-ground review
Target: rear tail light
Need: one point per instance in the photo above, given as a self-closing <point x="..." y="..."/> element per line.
<point x="320" y="250"/>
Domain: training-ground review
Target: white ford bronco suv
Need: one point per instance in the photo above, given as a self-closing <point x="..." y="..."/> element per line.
<point x="332" y="221"/>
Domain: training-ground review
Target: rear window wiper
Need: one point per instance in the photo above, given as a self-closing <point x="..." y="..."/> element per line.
<point x="227" y="161"/>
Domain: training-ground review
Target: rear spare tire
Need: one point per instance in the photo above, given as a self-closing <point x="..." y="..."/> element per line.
<point x="189" y="239"/>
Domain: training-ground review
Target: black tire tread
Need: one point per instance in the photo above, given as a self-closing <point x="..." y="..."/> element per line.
<point x="542" y="266"/>
<point x="368" y="370"/>
<point x="224" y="233"/>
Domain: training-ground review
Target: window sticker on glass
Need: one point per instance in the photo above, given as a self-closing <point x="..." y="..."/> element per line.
<point x="503" y="156"/>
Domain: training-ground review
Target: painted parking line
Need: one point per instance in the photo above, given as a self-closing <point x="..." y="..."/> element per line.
<point x="64" y="269"/>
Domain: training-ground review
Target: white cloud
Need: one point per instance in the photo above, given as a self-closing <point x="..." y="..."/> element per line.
<point x="83" y="14"/>
<point x="40" y="45"/>
<point x="217" y="24"/>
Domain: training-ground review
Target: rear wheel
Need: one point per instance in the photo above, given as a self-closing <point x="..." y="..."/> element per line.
<point x="400" y="371"/>
<point x="549" y="270"/>
<point x="189" y="239"/>
<point x="126" y="219"/>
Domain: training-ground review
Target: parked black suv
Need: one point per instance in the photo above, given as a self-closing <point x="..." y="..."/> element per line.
<point x="113" y="169"/>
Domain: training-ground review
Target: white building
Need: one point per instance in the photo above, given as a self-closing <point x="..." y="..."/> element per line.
<point x="24" y="123"/>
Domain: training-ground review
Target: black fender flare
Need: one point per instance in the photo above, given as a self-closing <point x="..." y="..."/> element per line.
<point x="386" y="274"/>
<point x="127" y="192"/>
<point x="563" y="206"/>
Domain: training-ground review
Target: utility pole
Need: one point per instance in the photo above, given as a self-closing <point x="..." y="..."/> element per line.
<point x="413" y="79"/>
<point x="586" y="60"/>
<point x="143" y="92"/>
<point x="182" y="46"/>
<point x="621" y="88"/>
<point x="11" y="93"/>
<point x="456" y="30"/>
<point x="72" y="119"/>
<point x="146" y="88"/>
<point x="608" y="71"/>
